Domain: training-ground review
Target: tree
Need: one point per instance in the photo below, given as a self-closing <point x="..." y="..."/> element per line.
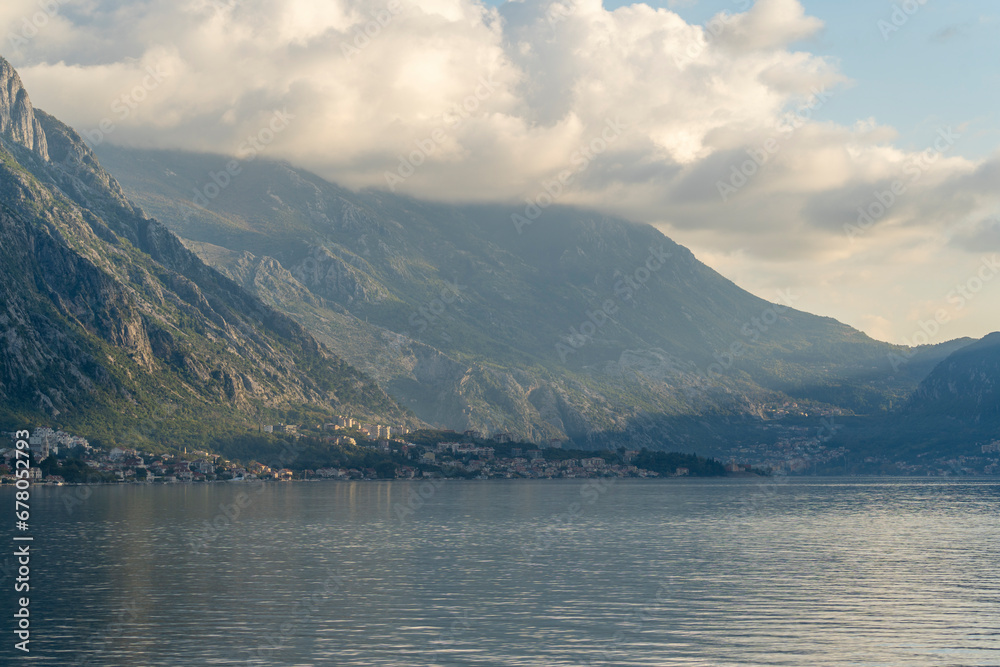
<point x="50" y="466"/>
<point x="385" y="470"/>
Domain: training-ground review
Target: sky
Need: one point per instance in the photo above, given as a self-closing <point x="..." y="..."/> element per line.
<point x="843" y="152"/>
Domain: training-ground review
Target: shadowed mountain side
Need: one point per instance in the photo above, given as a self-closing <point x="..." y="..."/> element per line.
<point x="954" y="412"/>
<point x="572" y="326"/>
<point x="113" y="328"/>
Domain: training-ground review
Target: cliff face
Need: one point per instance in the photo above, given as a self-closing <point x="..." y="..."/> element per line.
<point x="107" y="320"/>
<point x="17" y="117"/>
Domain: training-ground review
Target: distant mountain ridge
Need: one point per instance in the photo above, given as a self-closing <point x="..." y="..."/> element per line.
<point x="582" y="327"/>
<point x="112" y="326"/>
<point x="966" y="385"/>
<point x="953" y="413"/>
<point x="562" y="331"/>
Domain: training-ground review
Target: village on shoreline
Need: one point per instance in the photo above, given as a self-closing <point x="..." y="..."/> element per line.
<point x="346" y="449"/>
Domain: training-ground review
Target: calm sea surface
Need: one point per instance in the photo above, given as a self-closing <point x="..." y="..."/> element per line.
<point x="728" y="572"/>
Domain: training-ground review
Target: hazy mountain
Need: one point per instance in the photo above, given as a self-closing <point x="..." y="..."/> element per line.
<point x="966" y="385"/>
<point x="112" y="327"/>
<point x="953" y="411"/>
<point x="573" y="325"/>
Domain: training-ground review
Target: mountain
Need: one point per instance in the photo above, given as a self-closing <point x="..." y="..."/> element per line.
<point x="965" y="386"/>
<point x="576" y="325"/>
<point x="18" y="122"/>
<point x="951" y="414"/>
<point x="114" y="329"/>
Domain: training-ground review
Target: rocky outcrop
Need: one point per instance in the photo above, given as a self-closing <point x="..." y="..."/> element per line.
<point x="106" y="318"/>
<point x="17" y="117"/>
<point x="335" y="276"/>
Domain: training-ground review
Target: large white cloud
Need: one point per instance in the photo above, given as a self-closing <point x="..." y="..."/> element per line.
<point x="651" y="117"/>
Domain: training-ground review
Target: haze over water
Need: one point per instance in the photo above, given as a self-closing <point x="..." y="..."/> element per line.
<point x="721" y="572"/>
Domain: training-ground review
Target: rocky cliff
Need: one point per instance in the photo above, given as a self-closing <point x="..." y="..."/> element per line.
<point x="109" y="322"/>
<point x="581" y="326"/>
<point x="17" y="117"/>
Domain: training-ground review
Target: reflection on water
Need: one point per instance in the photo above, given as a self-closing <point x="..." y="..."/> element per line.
<point x="722" y="572"/>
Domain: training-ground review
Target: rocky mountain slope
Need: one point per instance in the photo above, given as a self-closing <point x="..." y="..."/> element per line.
<point x="111" y="327"/>
<point x="964" y="388"/>
<point x="574" y="325"/>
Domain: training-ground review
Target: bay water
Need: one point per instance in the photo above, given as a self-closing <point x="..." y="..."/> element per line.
<point x="801" y="571"/>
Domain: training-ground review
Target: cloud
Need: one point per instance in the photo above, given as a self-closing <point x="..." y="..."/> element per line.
<point x="770" y="24"/>
<point x="481" y="103"/>
<point x="516" y="91"/>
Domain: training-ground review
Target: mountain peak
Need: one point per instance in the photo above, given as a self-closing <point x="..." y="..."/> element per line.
<point x="17" y="117"/>
<point x="989" y="340"/>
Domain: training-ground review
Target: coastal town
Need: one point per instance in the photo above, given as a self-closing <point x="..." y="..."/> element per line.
<point x="464" y="457"/>
<point x="797" y="449"/>
<point x="367" y="451"/>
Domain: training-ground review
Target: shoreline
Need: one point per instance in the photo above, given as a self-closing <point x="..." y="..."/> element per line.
<point x="420" y="480"/>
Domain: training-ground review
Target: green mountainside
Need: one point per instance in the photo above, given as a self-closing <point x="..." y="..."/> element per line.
<point x="576" y="326"/>
<point x="112" y="328"/>
<point x="265" y="287"/>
